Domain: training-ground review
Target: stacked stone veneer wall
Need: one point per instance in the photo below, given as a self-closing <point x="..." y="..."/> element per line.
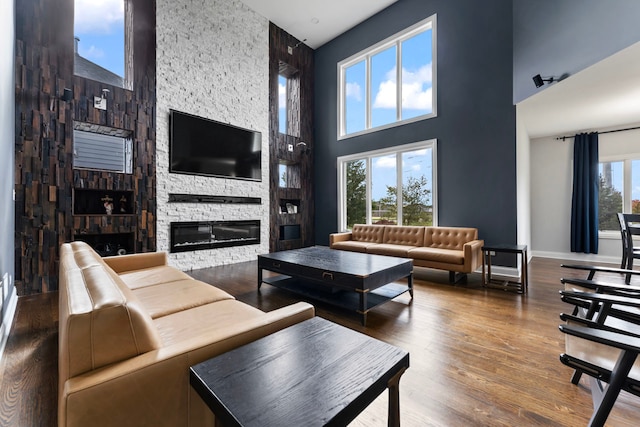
<point x="212" y="61"/>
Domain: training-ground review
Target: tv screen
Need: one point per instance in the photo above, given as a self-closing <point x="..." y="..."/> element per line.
<point x="200" y="146"/>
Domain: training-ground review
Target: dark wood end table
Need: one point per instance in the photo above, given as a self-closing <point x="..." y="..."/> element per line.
<point x="520" y="250"/>
<point x="315" y="373"/>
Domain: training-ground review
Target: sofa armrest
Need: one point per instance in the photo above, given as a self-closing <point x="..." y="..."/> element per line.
<point x="473" y="255"/>
<point x="153" y="388"/>
<point x="339" y="237"/>
<point x="131" y="262"/>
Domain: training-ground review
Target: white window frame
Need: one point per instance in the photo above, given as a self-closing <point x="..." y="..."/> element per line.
<point x="368" y="156"/>
<point x="626" y="160"/>
<point x="366" y="55"/>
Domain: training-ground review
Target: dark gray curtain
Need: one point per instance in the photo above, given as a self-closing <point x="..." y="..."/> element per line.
<point x="584" y="203"/>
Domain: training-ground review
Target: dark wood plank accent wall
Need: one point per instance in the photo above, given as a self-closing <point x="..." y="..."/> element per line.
<point x="300" y="190"/>
<point x="45" y="179"/>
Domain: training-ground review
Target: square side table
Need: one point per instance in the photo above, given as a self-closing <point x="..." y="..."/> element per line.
<point x="314" y="373"/>
<point x="520" y="286"/>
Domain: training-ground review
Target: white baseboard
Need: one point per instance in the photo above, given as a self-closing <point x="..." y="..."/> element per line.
<point x="7" y="320"/>
<point x="572" y="256"/>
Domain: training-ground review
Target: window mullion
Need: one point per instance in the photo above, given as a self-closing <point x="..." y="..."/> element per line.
<point x="398" y="81"/>
<point x="399" y="200"/>
<point x="626" y="186"/>
<point x="368" y="192"/>
<point x="367" y="95"/>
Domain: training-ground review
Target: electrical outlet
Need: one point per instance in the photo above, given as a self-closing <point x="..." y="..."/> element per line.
<point x="290" y="147"/>
<point x="290" y="50"/>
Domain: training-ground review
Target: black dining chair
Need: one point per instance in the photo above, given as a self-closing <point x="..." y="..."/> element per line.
<point x="623" y="235"/>
<point x="632" y="226"/>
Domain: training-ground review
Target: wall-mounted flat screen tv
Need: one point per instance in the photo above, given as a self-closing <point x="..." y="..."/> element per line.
<point x="200" y="146"/>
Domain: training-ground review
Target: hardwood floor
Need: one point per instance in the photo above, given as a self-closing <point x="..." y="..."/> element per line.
<point x="479" y="357"/>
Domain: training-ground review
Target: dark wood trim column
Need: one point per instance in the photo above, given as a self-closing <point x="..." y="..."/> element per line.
<point x="300" y="192"/>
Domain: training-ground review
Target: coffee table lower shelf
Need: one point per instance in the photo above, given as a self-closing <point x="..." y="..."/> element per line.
<point x="343" y="298"/>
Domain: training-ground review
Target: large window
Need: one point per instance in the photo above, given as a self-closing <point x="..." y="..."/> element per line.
<point x="389" y="84"/>
<point x="103" y="41"/>
<point x="391" y="186"/>
<point x="619" y="191"/>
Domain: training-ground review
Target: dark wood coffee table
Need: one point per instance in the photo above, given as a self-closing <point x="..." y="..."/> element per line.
<point x="315" y="373"/>
<point x="351" y="280"/>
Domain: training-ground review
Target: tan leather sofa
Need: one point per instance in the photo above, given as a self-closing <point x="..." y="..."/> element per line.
<point x="455" y="249"/>
<point x="129" y="329"/>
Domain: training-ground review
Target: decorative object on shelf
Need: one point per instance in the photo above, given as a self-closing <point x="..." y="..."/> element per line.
<point x="123" y="204"/>
<point x="291" y="208"/>
<point x="108" y="204"/>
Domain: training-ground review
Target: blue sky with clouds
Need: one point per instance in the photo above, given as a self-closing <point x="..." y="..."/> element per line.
<point x="416" y="72"/>
<point x="99" y="24"/>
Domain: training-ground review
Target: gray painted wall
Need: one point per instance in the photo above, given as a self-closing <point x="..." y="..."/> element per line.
<point x="7" y="140"/>
<point x="553" y="37"/>
<point x="475" y="126"/>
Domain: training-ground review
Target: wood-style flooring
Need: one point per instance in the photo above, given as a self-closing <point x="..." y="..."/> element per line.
<point x="479" y="357"/>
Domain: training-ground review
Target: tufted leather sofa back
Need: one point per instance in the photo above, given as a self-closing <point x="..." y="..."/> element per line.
<point x="449" y="237"/>
<point x="367" y="233"/>
<point x="405" y="235"/>
<point x="101" y="321"/>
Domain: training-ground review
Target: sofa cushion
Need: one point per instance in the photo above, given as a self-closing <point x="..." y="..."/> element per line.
<point x="403" y="235"/>
<point x="203" y="321"/>
<point x="367" y="233"/>
<point x="351" y="245"/>
<point x="167" y="298"/>
<point x="449" y="237"/>
<point x="448" y="256"/>
<point x="153" y="276"/>
<point x="390" y="250"/>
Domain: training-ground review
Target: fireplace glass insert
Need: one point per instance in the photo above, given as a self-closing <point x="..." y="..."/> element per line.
<point x="199" y="235"/>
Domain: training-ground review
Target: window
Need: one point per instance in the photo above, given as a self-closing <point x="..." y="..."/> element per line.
<point x="390" y="83"/>
<point x="282" y="104"/>
<point x="369" y="182"/>
<point x="288" y="100"/>
<point x="102" y="33"/>
<point x="619" y="191"/>
<point x="111" y="150"/>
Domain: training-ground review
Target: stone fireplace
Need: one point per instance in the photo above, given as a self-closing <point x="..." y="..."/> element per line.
<point x="200" y="235"/>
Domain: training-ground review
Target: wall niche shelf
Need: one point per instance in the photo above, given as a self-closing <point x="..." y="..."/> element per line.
<point x="109" y="244"/>
<point x="289" y="206"/>
<point x="102" y="202"/>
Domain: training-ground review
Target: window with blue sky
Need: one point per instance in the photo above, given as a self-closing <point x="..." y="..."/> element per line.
<point x="389" y="186"/>
<point x="619" y="191"/>
<point x="100" y="26"/>
<point x="390" y="83"/>
<point x="282" y="104"/>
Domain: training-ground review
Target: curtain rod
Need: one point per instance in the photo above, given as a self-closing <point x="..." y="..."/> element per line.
<point x="599" y="133"/>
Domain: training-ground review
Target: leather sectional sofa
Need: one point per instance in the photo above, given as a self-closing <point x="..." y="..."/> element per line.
<point x="455" y="249"/>
<point x="129" y="329"/>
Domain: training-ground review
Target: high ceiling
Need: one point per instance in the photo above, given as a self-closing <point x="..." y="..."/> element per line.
<point x="605" y="95"/>
<point x="317" y="21"/>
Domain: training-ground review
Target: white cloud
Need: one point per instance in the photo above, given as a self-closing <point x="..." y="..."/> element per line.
<point x="92" y="53"/>
<point x="386" y="162"/>
<point x="354" y="91"/>
<point x="282" y="96"/>
<point x="97" y="16"/>
<point x="415" y="94"/>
